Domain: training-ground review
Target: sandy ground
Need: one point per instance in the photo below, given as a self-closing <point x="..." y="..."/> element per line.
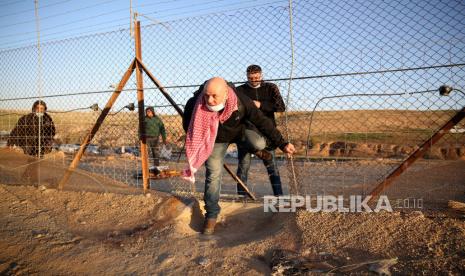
<point x="46" y="231"/>
<point x="96" y="226"/>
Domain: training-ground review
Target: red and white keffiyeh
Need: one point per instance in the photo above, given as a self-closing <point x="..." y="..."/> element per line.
<point x="202" y="132"/>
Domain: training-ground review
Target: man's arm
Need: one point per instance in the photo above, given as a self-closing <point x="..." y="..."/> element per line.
<point x="263" y="123"/>
<point x="275" y="102"/>
<point x="188" y="110"/>
<point x="53" y="129"/>
<point x="15" y="134"/>
<point x="266" y="126"/>
<point x="50" y="130"/>
<point x="163" y="131"/>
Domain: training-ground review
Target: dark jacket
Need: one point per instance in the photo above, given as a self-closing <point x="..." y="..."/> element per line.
<point x="231" y="130"/>
<point x="269" y="97"/>
<point x="154" y="127"/>
<point x="26" y="134"/>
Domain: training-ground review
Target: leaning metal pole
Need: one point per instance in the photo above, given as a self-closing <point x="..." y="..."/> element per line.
<point x="77" y="158"/>
<point x="417" y="154"/>
<point x="180" y="112"/>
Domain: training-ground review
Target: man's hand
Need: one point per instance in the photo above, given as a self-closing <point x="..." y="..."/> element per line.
<point x="257" y="104"/>
<point x="289" y="149"/>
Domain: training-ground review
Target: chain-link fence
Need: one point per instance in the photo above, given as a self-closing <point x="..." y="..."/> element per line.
<point x="359" y="80"/>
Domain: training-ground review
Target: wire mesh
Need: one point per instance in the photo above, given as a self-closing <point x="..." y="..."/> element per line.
<point x="363" y="95"/>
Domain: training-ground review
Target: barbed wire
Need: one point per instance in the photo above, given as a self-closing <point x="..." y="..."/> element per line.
<point x="242" y="82"/>
<point x="113" y="20"/>
<point x="119" y="25"/>
<point x="220" y="12"/>
<point x="72" y="36"/>
<point x="158" y="3"/>
<point x="9" y="3"/>
<point x="73" y="22"/>
<point x="58" y="14"/>
<point x="45" y="6"/>
<point x="358" y="91"/>
<point x="187" y="6"/>
<point x="93" y="107"/>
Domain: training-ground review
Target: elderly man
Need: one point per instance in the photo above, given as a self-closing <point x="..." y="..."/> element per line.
<point x="214" y="118"/>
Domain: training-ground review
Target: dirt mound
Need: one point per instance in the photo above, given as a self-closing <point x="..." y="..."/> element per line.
<point x="350" y="149"/>
<point x="429" y="244"/>
<point x="97" y="226"/>
<point x="17" y="168"/>
<point x="107" y="233"/>
<point x="235" y="218"/>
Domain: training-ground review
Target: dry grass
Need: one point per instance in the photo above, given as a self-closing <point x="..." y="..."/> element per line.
<point x="457" y="207"/>
<point x="401" y="127"/>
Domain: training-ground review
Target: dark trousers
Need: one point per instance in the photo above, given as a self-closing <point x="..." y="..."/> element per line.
<point x="152" y="144"/>
<point x="254" y="141"/>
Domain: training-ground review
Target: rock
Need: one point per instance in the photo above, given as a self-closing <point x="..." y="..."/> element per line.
<point x="166" y="258"/>
<point x="418" y="214"/>
<point x="286" y="262"/>
<point x="203" y="261"/>
<point x="382" y="267"/>
<point x="39" y="233"/>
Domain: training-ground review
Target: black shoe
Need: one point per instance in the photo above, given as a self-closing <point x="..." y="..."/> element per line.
<point x="154" y="170"/>
<point x="263" y="154"/>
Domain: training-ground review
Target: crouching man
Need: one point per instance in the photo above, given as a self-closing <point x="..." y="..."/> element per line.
<point x="214" y="118"/>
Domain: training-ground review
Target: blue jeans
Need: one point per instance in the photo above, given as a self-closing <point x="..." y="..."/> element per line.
<point x="213" y="177"/>
<point x="253" y="142"/>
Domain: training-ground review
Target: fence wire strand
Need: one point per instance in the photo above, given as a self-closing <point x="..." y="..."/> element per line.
<point x="359" y="81"/>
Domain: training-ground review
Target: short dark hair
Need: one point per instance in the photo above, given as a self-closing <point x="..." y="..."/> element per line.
<point x="38" y="102"/>
<point x="150" y="108"/>
<point x="254" y="69"/>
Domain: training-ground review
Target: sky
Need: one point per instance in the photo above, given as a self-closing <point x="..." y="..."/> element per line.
<point x="60" y="19"/>
<point x="201" y="39"/>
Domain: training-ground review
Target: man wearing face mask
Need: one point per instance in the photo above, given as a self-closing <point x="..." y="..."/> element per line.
<point x="214" y="118"/>
<point x="34" y="132"/>
<point x="266" y="97"/>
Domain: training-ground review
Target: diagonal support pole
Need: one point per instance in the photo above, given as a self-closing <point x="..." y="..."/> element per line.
<point x="158" y="84"/>
<point x="77" y="158"/>
<point x="180" y="112"/>
<point x="417" y="154"/>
